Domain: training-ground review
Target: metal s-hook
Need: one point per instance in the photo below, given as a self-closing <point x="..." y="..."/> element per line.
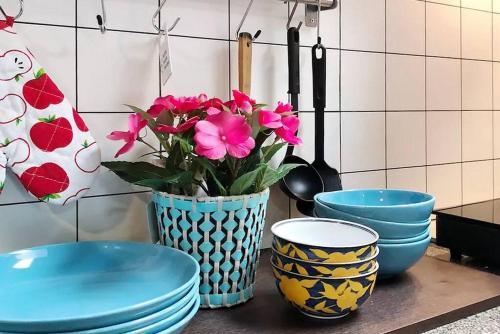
<point x="21" y="10"/>
<point x="288" y="23"/>
<point x="101" y="19"/>
<point x="243" y="19"/>
<point x="155" y="16"/>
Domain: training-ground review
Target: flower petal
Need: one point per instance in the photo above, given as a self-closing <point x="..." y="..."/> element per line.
<point x="241" y="150"/>
<point x="119" y="135"/>
<point x="270" y="119"/>
<point x="207" y="127"/>
<point x="291" y="123"/>
<point x="214" y="153"/>
<point x="127" y="147"/>
<point x="213" y="111"/>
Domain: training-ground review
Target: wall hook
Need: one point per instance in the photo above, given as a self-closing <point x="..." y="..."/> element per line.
<point x="257" y="34"/>
<point x="101" y="19"/>
<point x="21" y="10"/>
<point x="155" y="16"/>
<point x="289" y="22"/>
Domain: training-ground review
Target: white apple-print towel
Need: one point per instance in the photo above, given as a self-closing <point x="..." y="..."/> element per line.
<point x="43" y="140"/>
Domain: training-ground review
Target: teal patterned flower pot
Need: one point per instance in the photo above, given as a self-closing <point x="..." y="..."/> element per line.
<point x="223" y="234"/>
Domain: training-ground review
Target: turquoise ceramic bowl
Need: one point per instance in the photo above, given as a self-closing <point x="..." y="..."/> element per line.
<point x="419" y="237"/>
<point x="323" y="269"/>
<point x="395" y="259"/>
<point x="386" y="229"/>
<point x="324" y="240"/>
<point x="381" y="204"/>
<point x="325" y="298"/>
<point x="90" y="285"/>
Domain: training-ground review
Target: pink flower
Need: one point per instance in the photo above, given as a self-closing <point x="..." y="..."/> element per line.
<point x="223" y="133"/>
<point x="162" y="103"/>
<point x="283" y="108"/>
<point x="289" y="129"/>
<point x="285" y="126"/>
<point x="181" y="105"/>
<point x="213" y="103"/>
<point x="135" y="125"/>
<point x="242" y="102"/>
<point x="183" y="127"/>
<point x="270" y="119"/>
<point x="213" y="111"/>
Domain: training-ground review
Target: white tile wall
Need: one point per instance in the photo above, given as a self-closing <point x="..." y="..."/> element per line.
<point x="404" y="110"/>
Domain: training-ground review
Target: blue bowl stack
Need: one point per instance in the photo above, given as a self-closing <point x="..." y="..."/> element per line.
<point x="98" y="288"/>
<point x="401" y="218"/>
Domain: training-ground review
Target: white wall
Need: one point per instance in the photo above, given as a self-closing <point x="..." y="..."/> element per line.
<point x="413" y="95"/>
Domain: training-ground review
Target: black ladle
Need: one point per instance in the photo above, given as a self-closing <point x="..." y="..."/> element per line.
<point x="303" y="182"/>
<point x="329" y="175"/>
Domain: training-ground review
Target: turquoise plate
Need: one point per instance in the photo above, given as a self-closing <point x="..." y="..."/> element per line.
<point x="174" y="324"/>
<point x="88" y="285"/>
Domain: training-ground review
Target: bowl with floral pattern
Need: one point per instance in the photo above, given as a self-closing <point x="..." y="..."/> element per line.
<point x="325" y="298"/>
<point x="324" y="240"/>
<point x="323" y="269"/>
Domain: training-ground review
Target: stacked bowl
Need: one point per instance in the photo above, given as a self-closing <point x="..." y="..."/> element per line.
<point x="401" y="218"/>
<point x="324" y="268"/>
<point x="98" y="288"/>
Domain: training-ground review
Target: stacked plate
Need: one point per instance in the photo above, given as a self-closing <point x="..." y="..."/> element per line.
<point x="401" y="218"/>
<point x="325" y="268"/>
<point x="98" y="288"/>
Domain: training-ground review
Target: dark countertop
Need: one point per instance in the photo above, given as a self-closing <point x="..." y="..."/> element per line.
<point x="429" y="295"/>
<point x="487" y="212"/>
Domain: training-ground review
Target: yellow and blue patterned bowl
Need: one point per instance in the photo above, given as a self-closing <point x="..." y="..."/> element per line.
<point x="332" y="270"/>
<point x="324" y="240"/>
<point x="325" y="298"/>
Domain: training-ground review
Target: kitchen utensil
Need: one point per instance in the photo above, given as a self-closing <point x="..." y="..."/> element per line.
<point x="245" y="62"/>
<point x="381" y="204"/>
<point x="324" y="240"/>
<point x="90" y="285"/>
<point x="394" y="259"/>
<point x="325" y="298"/>
<point x="329" y="175"/>
<point x="386" y="229"/>
<point x="303" y="182"/>
<point x="333" y="270"/>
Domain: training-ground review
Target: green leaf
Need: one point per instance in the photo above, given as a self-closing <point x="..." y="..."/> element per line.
<point x="39" y="73"/>
<point x="18" y="121"/>
<point x="140" y="172"/>
<point x="163" y="183"/>
<point x="245" y="182"/>
<point x="165" y="118"/>
<point x="272" y="176"/>
<point x="49" y="119"/>
<point x="210" y="168"/>
<point x="270" y="151"/>
<point x="18" y="77"/>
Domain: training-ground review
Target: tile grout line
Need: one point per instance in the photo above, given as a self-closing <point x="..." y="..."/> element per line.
<point x="385" y="94"/>
<point x="77" y="206"/>
<point x="425" y="98"/>
<point x="462" y="111"/>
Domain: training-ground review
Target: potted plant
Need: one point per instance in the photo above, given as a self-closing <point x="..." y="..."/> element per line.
<point x="211" y="183"/>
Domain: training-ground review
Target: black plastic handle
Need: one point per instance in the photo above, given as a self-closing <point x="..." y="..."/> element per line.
<point x="293" y="39"/>
<point x="319" y="99"/>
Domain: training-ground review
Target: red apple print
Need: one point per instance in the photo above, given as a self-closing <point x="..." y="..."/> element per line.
<point x="87" y="159"/>
<point x="12" y="109"/>
<point x="46" y="182"/>
<point x="18" y="148"/>
<point x="42" y="92"/>
<point x="80" y="124"/>
<point x="51" y="133"/>
<point x="14" y="63"/>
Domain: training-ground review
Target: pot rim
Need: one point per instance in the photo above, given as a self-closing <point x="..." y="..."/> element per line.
<point x="211" y="198"/>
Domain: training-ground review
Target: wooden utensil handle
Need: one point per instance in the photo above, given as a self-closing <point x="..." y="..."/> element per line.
<point x="245" y="62"/>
